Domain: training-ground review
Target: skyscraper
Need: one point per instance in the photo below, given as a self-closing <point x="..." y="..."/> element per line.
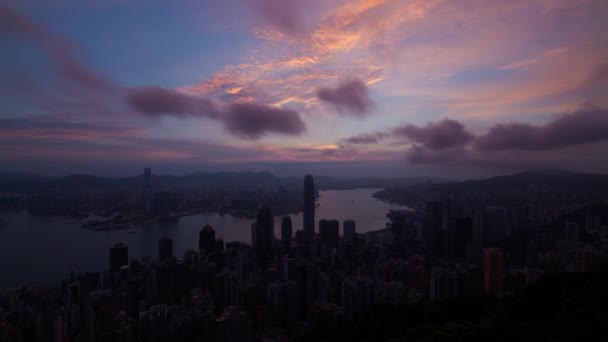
<point x="119" y="256"/>
<point x="493" y="264"/>
<point x="349" y="231"/>
<point x="329" y="232"/>
<point x="264" y="235"/>
<point x="495" y="223"/>
<point x="309" y="213"/>
<point x="206" y="240"/>
<point x="286" y="234"/>
<point x="165" y="249"/>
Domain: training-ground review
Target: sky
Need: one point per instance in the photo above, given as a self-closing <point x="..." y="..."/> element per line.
<point x="383" y="88"/>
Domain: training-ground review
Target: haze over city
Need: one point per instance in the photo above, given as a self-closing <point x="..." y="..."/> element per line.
<point x="366" y="87"/>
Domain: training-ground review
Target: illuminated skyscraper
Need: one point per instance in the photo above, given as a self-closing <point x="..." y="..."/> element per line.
<point x="309" y="213"/>
<point x="493" y="264"/>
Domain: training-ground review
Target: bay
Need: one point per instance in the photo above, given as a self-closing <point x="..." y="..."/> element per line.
<point x="37" y="250"/>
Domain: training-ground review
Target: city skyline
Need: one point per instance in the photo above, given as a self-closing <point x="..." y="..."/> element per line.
<point x="371" y="87"/>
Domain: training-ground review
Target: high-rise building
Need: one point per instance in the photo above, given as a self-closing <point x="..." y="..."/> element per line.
<point x="206" y="240"/>
<point x="493" y="265"/>
<point x="264" y="235"/>
<point x="254" y="235"/>
<point x="329" y="237"/>
<point x="329" y="232"/>
<point x="462" y="233"/>
<point x="349" y="231"/>
<point x="119" y="256"/>
<point x="495" y="224"/>
<point x="434" y="219"/>
<point x="309" y="213"/>
<point x="165" y="249"/>
<point x="286" y="233"/>
<point x="147" y="190"/>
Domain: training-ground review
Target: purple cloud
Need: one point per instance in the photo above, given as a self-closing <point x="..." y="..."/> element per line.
<point x="244" y="120"/>
<point x="365" y="138"/>
<point x="283" y="15"/>
<point x="351" y="96"/>
<point x="585" y="126"/>
<point x="56" y="47"/>
<point x="156" y="101"/>
<point x="443" y="134"/>
<point x="252" y="121"/>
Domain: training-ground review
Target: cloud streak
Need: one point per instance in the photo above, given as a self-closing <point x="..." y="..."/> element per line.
<point x="58" y="49"/>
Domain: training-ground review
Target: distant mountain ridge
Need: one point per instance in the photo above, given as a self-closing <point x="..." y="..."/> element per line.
<point x="565" y="179"/>
<point x="22" y="183"/>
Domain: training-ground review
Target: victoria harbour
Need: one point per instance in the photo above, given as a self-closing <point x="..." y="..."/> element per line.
<point x="26" y="238"/>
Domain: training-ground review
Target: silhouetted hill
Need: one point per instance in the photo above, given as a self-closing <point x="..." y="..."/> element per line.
<point x="216" y="180"/>
<point x="85" y="182"/>
<point x="564" y="179"/>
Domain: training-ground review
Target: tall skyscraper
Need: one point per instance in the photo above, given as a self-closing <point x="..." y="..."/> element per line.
<point x="206" y="240"/>
<point x="286" y="233"/>
<point x="264" y="235"/>
<point x="329" y="232"/>
<point x="147" y="190"/>
<point x="493" y="264"/>
<point x="254" y="235"/>
<point x="119" y="256"/>
<point x="165" y="249"/>
<point x="495" y="223"/>
<point x="349" y="231"/>
<point x="309" y="213"/>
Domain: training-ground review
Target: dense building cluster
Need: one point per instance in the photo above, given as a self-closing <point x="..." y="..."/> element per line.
<point x="274" y="288"/>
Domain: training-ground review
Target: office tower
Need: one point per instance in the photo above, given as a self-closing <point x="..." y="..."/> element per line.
<point x="264" y="235"/>
<point x="206" y="240"/>
<point x="147" y="190"/>
<point x="493" y="264"/>
<point x="132" y="299"/>
<point x="254" y="235"/>
<point x="349" y="231"/>
<point x="309" y="213"/>
<point x="434" y="227"/>
<point x="462" y="233"/>
<point x="119" y="256"/>
<point x="165" y="249"/>
<point x="329" y="232"/>
<point x="329" y="236"/>
<point x="286" y="234"/>
<point x="495" y="224"/>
